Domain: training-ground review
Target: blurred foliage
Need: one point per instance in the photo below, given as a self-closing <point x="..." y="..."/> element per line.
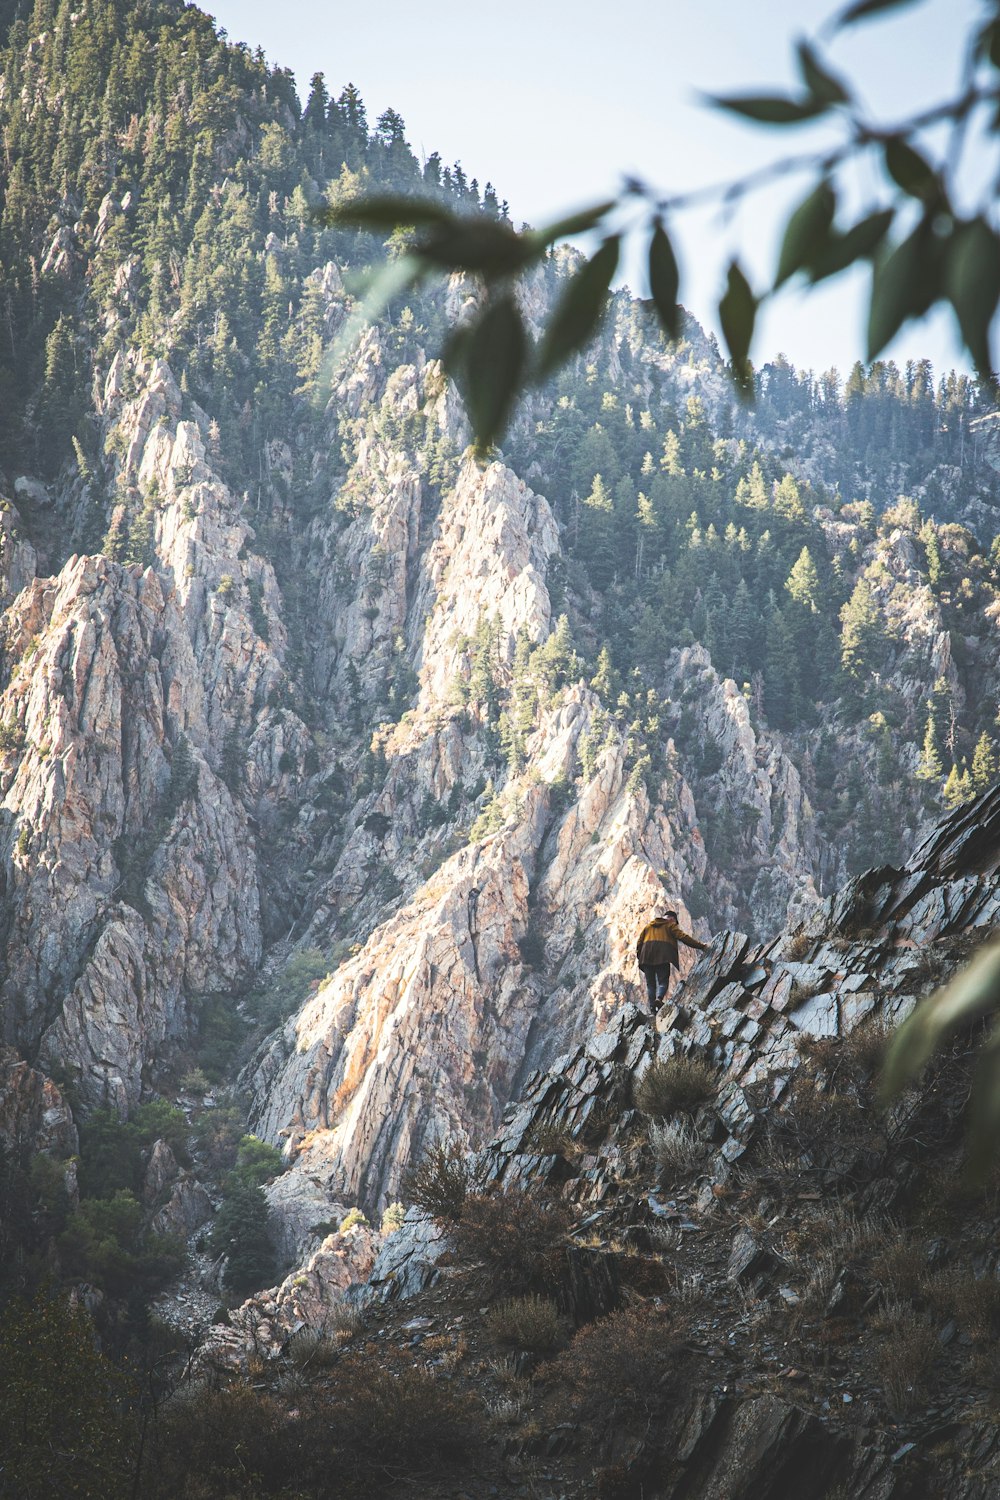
<point x="66" y="1427"/>
<point x="922" y="248"/>
<point x="971" y="995"/>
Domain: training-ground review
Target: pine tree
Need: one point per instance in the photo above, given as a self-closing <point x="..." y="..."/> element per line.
<point x="930" y="768"/>
<point x="752" y="491"/>
<point x="314" y="114"/>
<point x="788" y="501"/>
<point x="958" y="789"/>
<point x="862" y="637"/>
<point x="606" y="681"/>
<point x="670" y="462"/>
<point x="803" y="582"/>
<point x="242" y="1232"/>
<point x="782" y="694"/>
<point x="984" y="763"/>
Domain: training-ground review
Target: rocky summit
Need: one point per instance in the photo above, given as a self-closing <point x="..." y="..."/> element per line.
<point x="341" y="764"/>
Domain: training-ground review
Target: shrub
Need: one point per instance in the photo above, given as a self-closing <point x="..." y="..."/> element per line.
<point x="531" y="945"/>
<point x="626" y="1364"/>
<point x="242" y="1232"/>
<point x="366" y="1429"/>
<point x="103" y="1243"/>
<point x="352" y="1219"/>
<point x="516" y="1238"/>
<point x="393" y="1218"/>
<point x="194" y="1081"/>
<point x="111" y="1150"/>
<point x="288" y="991"/>
<point x="676" y="1147"/>
<point x="679" y="1083"/>
<point x="391" y="1421"/>
<point x="217" y="1134"/>
<point x="256" y="1161"/>
<point x="222" y="1032"/>
<point x="217" y="1442"/>
<point x="11" y="737"/>
<point x="440" y="1183"/>
<point x="905" y="1358"/>
<point x="531" y="1323"/>
<point x="546" y="1138"/>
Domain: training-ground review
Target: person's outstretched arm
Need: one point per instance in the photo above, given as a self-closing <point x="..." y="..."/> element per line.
<point x="692" y="942"/>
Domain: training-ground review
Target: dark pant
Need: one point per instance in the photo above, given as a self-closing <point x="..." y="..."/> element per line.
<point x="657" y="981"/>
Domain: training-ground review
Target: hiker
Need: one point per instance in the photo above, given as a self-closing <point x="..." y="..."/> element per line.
<point x="656" y="952"/>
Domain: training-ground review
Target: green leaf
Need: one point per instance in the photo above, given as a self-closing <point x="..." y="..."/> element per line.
<point x="384" y="212"/>
<point x="973" y="993"/>
<point x="578" y="223"/>
<point x="862" y="8"/>
<point x="737" y="315"/>
<point x="493" y="358"/>
<point x="904" y="285"/>
<point x="664" y="281"/>
<point x="910" y="171"/>
<point x="580" y="307"/>
<point x="972" y="286"/>
<point x="807" y="232"/>
<point x="821" y="84"/>
<point x="988" y="42"/>
<point x="858" y="243"/>
<point x="477" y="244"/>
<point x="771" y="109"/>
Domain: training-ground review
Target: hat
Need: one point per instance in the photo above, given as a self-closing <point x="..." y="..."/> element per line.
<point x="664" y="913"/>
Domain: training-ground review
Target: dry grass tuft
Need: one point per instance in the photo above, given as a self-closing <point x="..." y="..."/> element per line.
<point x="902" y="1267"/>
<point x="675" y="1085"/>
<point x="974" y="1302"/>
<point x="531" y="1323"/>
<point x="905" y="1358"/>
<point x="676" y="1147"/>
<point x="547" y="1138"/>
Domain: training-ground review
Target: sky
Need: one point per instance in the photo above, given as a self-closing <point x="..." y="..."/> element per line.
<point x="552" y="103"/>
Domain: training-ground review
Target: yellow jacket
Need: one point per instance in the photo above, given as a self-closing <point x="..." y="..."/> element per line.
<point x="658" y="941"/>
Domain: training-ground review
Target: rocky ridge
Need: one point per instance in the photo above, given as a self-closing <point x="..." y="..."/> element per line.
<point x="776" y="1245"/>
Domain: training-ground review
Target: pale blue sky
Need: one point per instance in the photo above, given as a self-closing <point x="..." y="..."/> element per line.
<point x="553" y="102"/>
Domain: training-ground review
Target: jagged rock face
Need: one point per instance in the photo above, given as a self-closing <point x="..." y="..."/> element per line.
<point x="33" y="1114"/>
<point x="347" y="1085"/>
<point x="127" y="895"/>
<point x="759" y="777"/>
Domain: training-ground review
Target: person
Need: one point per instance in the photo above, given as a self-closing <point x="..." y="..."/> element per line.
<point x="656" y="952"/>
